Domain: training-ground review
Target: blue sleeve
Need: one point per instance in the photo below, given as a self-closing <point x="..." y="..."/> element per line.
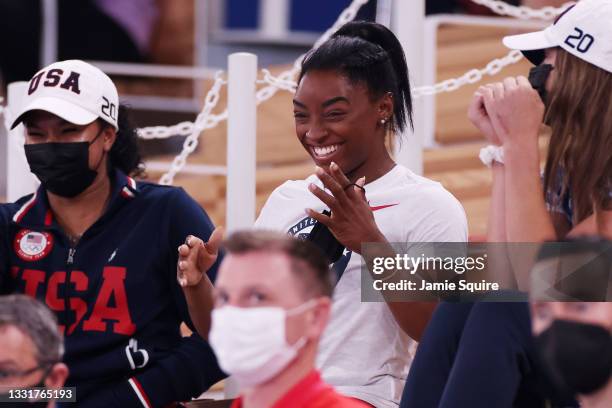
<point x="187" y="218"/>
<point x="192" y="367"/>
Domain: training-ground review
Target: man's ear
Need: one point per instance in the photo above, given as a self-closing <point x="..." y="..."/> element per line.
<point x="320" y="316"/>
<point x="57" y="376"/>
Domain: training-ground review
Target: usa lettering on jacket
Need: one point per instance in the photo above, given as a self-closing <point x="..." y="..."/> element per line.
<point x="109" y="310"/>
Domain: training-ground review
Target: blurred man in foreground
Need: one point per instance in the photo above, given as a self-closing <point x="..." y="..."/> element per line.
<point x="31" y="349"/>
<point x="272" y="304"/>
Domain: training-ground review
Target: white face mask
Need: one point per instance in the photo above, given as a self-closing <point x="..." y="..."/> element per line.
<point x="250" y="342"/>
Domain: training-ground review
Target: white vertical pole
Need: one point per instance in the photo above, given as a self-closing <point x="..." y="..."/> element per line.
<point x="430" y="67"/>
<point x="19" y="179"/>
<point x="241" y="153"/>
<point x="383" y="12"/>
<point x="48" y="49"/>
<point x="408" y="25"/>
<point x="274" y="18"/>
<point x="241" y="140"/>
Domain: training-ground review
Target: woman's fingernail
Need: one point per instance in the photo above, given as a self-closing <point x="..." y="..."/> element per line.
<point x="333" y="166"/>
<point x="312" y="187"/>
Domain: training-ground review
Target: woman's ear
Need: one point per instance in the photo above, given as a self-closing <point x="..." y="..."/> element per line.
<point x="385" y="107"/>
<point x="109" y="135"/>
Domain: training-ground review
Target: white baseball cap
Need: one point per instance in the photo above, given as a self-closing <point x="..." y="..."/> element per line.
<point x="75" y="91"/>
<point x="584" y="30"/>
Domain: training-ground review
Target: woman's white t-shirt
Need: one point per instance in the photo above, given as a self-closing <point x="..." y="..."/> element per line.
<point x="363" y="352"/>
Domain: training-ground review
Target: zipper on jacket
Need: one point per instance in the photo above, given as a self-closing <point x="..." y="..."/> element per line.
<point x="69" y="263"/>
<point x="70" y="260"/>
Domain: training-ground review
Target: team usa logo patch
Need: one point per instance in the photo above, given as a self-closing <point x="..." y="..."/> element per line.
<point x="33" y="245"/>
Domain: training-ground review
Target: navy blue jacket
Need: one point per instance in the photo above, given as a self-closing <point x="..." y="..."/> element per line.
<point x="115" y="293"/>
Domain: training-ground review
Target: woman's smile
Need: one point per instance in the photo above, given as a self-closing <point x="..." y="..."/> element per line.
<point x="325" y="152"/>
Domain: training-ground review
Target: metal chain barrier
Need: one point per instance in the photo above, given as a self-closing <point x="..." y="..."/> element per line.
<point x="346" y="16"/>
<point x="449" y="85"/>
<point x="263" y="94"/>
<point x="523" y="12"/>
<point x="470" y="77"/>
<point x="204" y="121"/>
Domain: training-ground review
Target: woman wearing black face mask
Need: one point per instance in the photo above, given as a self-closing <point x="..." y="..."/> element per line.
<point x="100" y="249"/>
<point x="573" y="77"/>
<point x="574" y="339"/>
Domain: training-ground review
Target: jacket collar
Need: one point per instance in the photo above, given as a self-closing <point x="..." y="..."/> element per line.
<point x="36" y="212"/>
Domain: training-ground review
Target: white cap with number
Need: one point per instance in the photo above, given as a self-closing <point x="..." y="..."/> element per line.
<point x="584" y="30"/>
<point x="75" y="91"/>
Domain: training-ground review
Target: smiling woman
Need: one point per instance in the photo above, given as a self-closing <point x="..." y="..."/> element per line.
<point x="353" y="92"/>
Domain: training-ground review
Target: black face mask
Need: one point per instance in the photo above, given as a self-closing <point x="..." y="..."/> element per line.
<point x="62" y="168"/>
<point x="537" y="78"/>
<point x="576" y="356"/>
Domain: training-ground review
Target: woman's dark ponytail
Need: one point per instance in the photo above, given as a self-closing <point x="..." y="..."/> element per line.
<point x="380" y="35"/>
<point x="369" y="53"/>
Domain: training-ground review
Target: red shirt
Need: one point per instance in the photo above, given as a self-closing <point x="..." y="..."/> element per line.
<point x="311" y="392"/>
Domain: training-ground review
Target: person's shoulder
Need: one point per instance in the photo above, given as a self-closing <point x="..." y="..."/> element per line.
<point x="8" y="210"/>
<point x="330" y="398"/>
<point x="148" y="188"/>
<point x="408" y="178"/>
<point x="291" y="191"/>
<point x="287" y="200"/>
<point x="293" y="188"/>
<point x="158" y="192"/>
<point x="172" y="201"/>
<point x="429" y="211"/>
<point x="424" y="191"/>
